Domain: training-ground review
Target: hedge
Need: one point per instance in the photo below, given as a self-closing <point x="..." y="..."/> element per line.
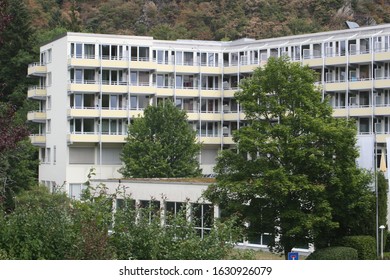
<point x="365" y="246"/>
<point x="386" y="256"/>
<point x="334" y="253"/>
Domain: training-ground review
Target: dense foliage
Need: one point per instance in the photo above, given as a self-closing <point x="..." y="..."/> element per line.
<point x="51" y="226"/>
<point x="161" y="144"/>
<point x="216" y="20"/>
<point x="365" y="246"/>
<point x="334" y="253"/>
<point x="294" y="163"/>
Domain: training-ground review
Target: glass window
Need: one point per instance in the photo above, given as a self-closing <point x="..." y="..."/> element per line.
<point x="133" y="78"/>
<point x="179" y="81"/>
<point x="89" y="51"/>
<point x="114" y="101"/>
<point x="133" y="102"/>
<point x="79" y="50"/>
<point x="78" y="101"/>
<point x="89" y="125"/>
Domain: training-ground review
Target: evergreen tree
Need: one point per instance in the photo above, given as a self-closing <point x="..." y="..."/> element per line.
<point x="161" y="144"/>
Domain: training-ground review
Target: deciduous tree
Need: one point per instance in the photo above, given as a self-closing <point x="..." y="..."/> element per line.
<point x="293" y="172"/>
<point x="161" y="144"/>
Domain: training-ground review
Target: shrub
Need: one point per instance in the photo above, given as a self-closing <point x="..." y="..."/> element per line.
<point x="387" y="243"/>
<point x="386" y="256"/>
<point x="365" y="245"/>
<point x="334" y="253"/>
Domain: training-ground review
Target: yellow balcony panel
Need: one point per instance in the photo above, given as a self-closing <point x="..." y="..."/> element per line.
<point x="315" y="62"/>
<point x="193" y="116"/>
<point x="336" y="60"/>
<point x="343" y="112"/>
<point x="360" y="58"/>
<point x="211" y="93"/>
<point x="342" y="86"/>
<point x="187" y="92"/>
<point x="36" y="116"/>
<point x="230" y="69"/>
<point x="165" y="68"/>
<point x="229" y="116"/>
<point x="382" y="56"/>
<point x="229" y="92"/>
<point x="356" y="112"/>
<point x="228" y="140"/>
<point x="381" y="138"/>
<point x="358" y="85"/>
<point x="113" y="138"/>
<point x="385" y="83"/>
<point x="114" y="63"/>
<point x="37" y="92"/>
<point x="210" y="140"/>
<point x="143" y="89"/>
<point x="384" y="111"/>
<point x="83" y="138"/>
<point x="248" y="68"/>
<point x="114" y="88"/>
<point x="82" y="62"/>
<point x="38" y="139"/>
<point x="147" y="65"/>
<point x="114" y="113"/>
<point x="83" y="113"/>
<point x="210" y="116"/>
<point x="136" y="113"/>
<point x="210" y="70"/>
<point x="164" y="91"/>
<point x="83" y="87"/>
<point x="36" y="69"/>
<point x="187" y="69"/>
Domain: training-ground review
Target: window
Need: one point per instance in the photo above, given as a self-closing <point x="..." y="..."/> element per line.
<point x="173" y="209"/>
<point x="81" y="155"/>
<point x="82" y="126"/>
<point x="54" y="154"/>
<point x="75" y="190"/>
<point x="111" y="127"/>
<point x="48" y="126"/>
<point x="48" y="155"/>
<point x="49" y="79"/>
<point x="149" y="209"/>
<point x="89" y="51"/>
<point x="203" y="217"/>
<point x="43" y="155"/>
<point x="48" y="103"/>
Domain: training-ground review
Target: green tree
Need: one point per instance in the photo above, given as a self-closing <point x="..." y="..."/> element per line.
<point x="161" y="144"/>
<point x="293" y="173"/>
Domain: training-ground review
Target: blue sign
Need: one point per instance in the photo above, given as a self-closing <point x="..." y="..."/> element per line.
<point x="294" y="256"/>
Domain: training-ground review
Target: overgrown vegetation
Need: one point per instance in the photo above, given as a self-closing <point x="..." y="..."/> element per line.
<point x="334" y="253"/>
<point x="51" y="226"/>
<point x="206" y="20"/>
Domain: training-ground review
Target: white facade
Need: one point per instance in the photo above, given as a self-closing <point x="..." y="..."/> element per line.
<point x="92" y="85"/>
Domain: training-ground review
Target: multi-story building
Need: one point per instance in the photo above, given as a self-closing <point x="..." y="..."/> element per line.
<point x="91" y="86"/>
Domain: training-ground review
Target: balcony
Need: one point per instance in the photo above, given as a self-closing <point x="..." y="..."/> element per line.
<point x="37" y="92"/>
<point x="38" y="140"/>
<point x="95" y="137"/>
<point x="37" y="69"/>
<point x="37" y="116"/>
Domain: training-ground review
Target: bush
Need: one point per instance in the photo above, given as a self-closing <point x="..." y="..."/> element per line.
<point x="386" y="256"/>
<point x="387" y="243"/>
<point x="365" y="245"/>
<point x="334" y="253"/>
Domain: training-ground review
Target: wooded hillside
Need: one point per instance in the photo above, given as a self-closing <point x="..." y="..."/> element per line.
<point x="207" y="20"/>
